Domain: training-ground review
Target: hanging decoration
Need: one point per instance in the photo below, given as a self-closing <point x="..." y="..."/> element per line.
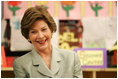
<point x="17" y="40"/>
<point x="67" y="5"/>
<point x="95" y="6"/>
<point x="42" y="3"/>
<point x="13" y="6"/>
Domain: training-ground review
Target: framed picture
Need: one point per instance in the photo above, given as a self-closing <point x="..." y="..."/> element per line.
<point x="3" y="58"/>
<point x="92" y="57"/>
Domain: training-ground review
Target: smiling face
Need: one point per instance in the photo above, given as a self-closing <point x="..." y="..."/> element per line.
<point x="40" y="35"/>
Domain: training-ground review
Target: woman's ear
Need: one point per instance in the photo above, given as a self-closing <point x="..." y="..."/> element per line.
<point x="29" y="40"/>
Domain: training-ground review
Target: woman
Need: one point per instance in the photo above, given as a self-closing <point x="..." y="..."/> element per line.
<point x="44" y="61"/>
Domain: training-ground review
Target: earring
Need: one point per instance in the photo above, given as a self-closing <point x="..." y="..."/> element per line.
<point x="28" y="40"/>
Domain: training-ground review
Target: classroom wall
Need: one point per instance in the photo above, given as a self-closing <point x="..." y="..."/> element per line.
<point x="78" y="11"/>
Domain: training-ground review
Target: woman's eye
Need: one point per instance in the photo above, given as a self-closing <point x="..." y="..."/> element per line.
<point x="44" y="29"/>
<point x="33" y="32"/>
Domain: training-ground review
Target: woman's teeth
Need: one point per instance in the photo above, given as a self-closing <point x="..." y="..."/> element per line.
<point x="41" y="42"/>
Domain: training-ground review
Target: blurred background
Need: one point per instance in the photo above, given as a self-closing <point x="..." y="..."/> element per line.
<point x="86" y="27"/>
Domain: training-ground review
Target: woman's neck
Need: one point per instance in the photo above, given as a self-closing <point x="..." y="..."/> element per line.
<point x="46" y="52"/>
<point x="46" y="55"/>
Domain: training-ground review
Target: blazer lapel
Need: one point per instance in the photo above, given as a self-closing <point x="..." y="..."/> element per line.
<point x="55" y="61"/>
<point x="42" y="68"/>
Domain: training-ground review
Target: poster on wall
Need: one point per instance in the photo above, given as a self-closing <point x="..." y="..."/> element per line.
<point x="68" y="34"/>
<point x="111" y="32"/>
<point x="92" y="57"/>
<point x="99" y="32"/>
<point x="18" y="42"/>
<point x="94" y="32"/>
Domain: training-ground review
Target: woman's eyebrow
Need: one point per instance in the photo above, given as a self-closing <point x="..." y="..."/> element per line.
<point x="32" y="29"/>
<point x="44" y="26"/>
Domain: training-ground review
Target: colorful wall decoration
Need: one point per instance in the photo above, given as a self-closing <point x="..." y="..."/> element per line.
<point x="13" y="6"/>
<point x="64" y="10"/>
<point x="96" y="6"/>
<point x="67" y="12"/>
<point x="67" y="5"/>
<point x="23" y="5"/>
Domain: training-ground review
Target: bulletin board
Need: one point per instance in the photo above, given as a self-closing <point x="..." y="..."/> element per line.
<point x="92" y="57"/>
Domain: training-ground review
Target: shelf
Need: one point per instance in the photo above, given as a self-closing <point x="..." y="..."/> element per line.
<point x="87" y="73"/>
<point x="100" y="73"/>
<point x="86" y="69"/>
<point x="106" y="69"/>
<point x="7" y="69"/>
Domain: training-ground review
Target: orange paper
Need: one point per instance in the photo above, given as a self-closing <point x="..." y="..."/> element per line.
<point x="3" y="58"/>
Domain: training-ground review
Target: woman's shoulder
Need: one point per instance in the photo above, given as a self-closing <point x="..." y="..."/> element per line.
<point x="65" y="53"/>
<point x="23" y="58"/>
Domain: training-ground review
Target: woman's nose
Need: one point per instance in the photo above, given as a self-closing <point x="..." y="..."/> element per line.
<point x="40" y="35"/>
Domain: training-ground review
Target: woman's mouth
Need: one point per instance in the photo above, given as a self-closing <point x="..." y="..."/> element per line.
<point x="42" y="41"/>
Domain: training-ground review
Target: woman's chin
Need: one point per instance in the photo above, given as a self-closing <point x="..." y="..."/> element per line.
<point x="43" y="47"/>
